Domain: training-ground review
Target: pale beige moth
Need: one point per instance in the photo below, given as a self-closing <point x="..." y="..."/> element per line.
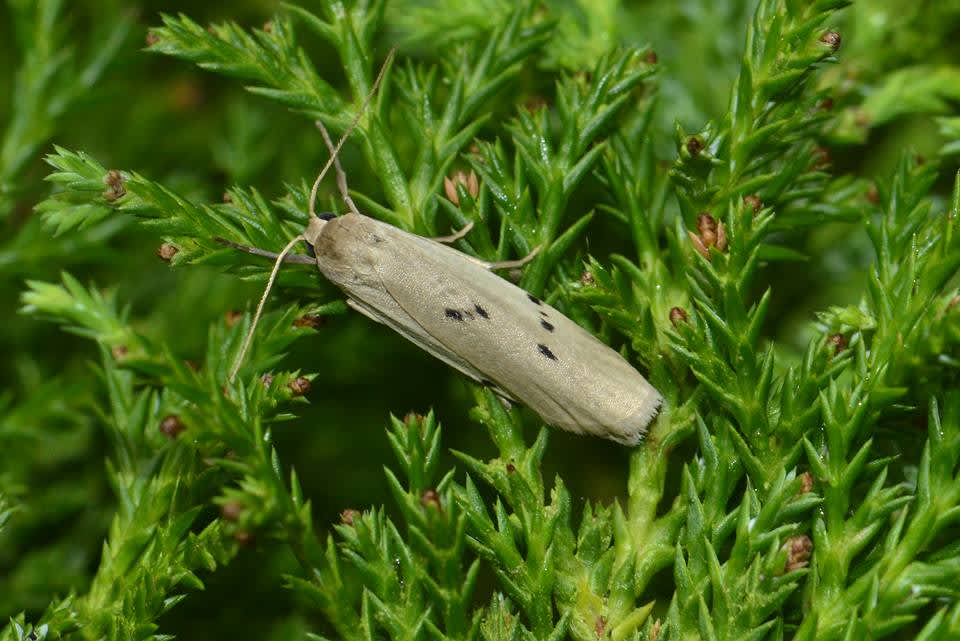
<point x="454" y="307"/>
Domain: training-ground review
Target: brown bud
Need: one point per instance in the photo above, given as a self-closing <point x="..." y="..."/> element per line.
<point x="152" y="38"/>
<point x="299" y="386"/>
<point x="171" y="426"/>
<point x="587" y="279"/>
<point x="233" y="317"/>
<point x="186" y="96"/>
<point x="193" y="365"/>
<point x="826" y="104"/>
<point x="468" y="180"/>
<point x="821" y="158"/>
<point x="267" y="380"/>
<point x="227" y="197"/>
<point x="412" y="417"/>
<point x="753" y="202"/>
<point x="600" y="627"/>
<point x="712" y="234"/>
<point x="511" y="468"/>
<point x="707" y="226"/>
<point x="313" y="321"/>
<point x="694" y="146"/>
<point x="167" y="251"/>
<point x="348" y="516"/>
<point x="119" y="351"/>
<point x="534" y="104"/>
<point x="268" y="26"/>
<point x="721" y="237"/>
<point x="798" y="550"/>
<point x="831" y="39"/>
<point x="953" y="302"/>
<point x="243" y="538"/>
<point x="231" y="510"/>
<point x="655" y="630"/>
<point x="806" y="483"/>
<point x="430" y="498"/>
<point x="698" y="244"/>
<point x="678" y="315"/>
<point x="116" y="188"/>
<point x="650" y="57"/>
<point x="838" y="342"/>
<point x="873" y="195"/>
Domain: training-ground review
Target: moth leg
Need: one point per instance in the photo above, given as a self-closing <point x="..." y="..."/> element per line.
<point x="341" y="175"/>
<point x="298" y="259"/>
<point x="512" y="264"/>
<point x="454" y="237"/>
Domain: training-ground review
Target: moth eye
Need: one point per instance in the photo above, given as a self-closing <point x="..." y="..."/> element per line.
<point x="326" y="216"/>
<point x="546" y="351"/>
<point x="310" y="250"/>
<point x="547" y="326"/>
<point x="453" y="313"/>
<point x="534" y="299"/>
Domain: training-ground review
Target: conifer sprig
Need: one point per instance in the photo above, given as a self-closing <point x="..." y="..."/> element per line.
<point x="781" y="493"/>
<point x="52" y="77"/>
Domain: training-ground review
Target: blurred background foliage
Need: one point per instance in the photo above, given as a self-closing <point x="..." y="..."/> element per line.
<point x="76" y="74"/>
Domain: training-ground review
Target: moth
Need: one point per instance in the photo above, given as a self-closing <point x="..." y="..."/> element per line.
<point x="454" y="307"/>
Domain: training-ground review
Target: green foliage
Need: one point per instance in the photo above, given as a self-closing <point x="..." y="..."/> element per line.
<point x="800" y="317"/>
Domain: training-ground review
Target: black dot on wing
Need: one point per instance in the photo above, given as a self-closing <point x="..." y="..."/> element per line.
<point x="534" y="299"/>
<point x="453" y="313"/>
<point x="481" y="311"/>
<point x="546" y="351"/>
<point x="547" y="326"/>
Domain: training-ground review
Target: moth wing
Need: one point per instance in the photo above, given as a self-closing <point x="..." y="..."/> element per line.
<point x="386" y="311"/>
<point x="348" y="253"/>
<point x="526" y="347"/>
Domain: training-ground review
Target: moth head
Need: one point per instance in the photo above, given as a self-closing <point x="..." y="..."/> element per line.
<point x="315" y="227"/>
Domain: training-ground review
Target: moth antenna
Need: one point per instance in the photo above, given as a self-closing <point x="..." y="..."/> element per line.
<point x="341" y="174"/>
<point x="248" y="339"/>
<point x="297" y="259"/>
<point x="346" y="134"/>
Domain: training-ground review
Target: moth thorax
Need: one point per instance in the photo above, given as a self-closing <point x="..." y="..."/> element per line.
<point x="314" y="228"/>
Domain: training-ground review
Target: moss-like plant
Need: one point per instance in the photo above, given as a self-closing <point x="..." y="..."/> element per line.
<point x="802" y="480"/>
